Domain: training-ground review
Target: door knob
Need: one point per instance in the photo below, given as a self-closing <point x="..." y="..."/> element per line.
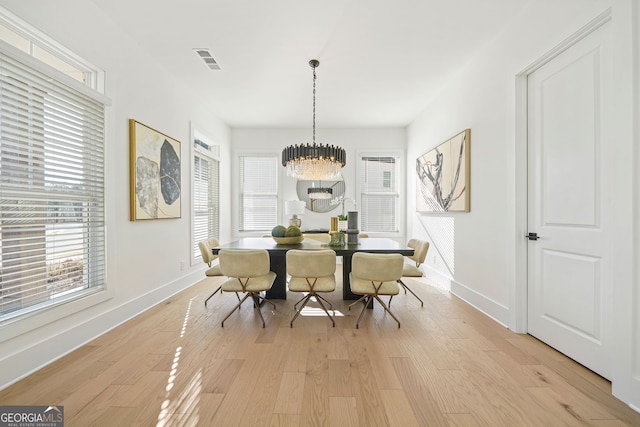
<point x="532" y="236"/>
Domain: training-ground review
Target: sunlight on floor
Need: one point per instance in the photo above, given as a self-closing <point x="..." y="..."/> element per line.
<point x="318" y="311"/>
<point x="183" y="409"/>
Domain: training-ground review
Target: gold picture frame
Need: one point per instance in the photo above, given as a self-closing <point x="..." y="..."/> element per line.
<point x="154" y="174"/>
<point x="443" y="176"/>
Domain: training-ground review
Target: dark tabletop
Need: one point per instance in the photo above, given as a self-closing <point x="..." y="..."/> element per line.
<point x="366" y="244"/>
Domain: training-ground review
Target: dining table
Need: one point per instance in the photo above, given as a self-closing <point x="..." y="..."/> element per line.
<point x="278" y="259"/>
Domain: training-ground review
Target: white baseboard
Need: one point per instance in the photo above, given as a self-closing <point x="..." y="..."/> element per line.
<point x="634" y="399"/>
<point x="494" y="310"/>
<point x="437" y="277"/>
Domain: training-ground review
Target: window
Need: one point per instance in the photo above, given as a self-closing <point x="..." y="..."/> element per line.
<point x="206" y="193"/>
<point x="52" y="229"/>
<point x="21" y="36"/>
<point x="258" y="193"/>
<point x="379" y="193"/>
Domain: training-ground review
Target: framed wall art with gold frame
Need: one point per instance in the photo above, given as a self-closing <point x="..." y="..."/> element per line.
<point x="154" y="174"/>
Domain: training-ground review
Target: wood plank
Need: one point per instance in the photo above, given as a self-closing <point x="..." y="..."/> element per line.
<point x="462" y="420"/>
<point x="315" y="408"/>
<point x="339" y="378"/>
<point x="398" y="409"/>
<point x="343" y="412"/>
<point x="285" y="420"/>
<point x="418" y="393"/>
<point x="448" y="365"/>
<point x="289" y="398"/>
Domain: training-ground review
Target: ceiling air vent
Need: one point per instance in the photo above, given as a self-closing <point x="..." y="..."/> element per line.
<point x="208" y="59"/>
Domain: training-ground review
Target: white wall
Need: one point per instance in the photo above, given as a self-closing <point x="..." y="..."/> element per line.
<point x="475" y="252"/>
<point x="354" y="141"/>
<point x="634" y="296"/>
<point x="143" y="257"/>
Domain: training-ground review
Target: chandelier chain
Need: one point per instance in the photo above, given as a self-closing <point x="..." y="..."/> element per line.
<point x="314" y="105"/>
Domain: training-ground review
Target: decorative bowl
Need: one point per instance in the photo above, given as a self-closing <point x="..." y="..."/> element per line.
<point x="288" y="240"/>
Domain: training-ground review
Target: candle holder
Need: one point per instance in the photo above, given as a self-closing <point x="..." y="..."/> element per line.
<point x="334" y="225"/>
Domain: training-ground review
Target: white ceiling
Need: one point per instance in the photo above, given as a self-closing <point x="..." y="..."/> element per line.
<point x="380" y="60"/>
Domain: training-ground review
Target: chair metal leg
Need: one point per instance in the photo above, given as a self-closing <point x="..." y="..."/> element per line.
<point x="325" y="310"/>
<point x="236" y="307"/>
<point x="369" y="301"/>
<point x="214" y="292"/>
<point x="323" y="299"/>
<point x="406" y="288"/>
<point x="257" y="308"/>
<point x="259" y="297"/>
<point x="387" y="309"/>
<point x="255" y="296"/>
<point x="360" y="299"/>
<point x="305" y="300"/>
<point x="295" y="306"/>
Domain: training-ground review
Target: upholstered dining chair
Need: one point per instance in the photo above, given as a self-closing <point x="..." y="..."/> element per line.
<point x="311" y="272"/>
<point x="373" y="275"/>
<point x="211" y="260"/>
<point x="247" y="271"/>
<point x="411" y="267"/>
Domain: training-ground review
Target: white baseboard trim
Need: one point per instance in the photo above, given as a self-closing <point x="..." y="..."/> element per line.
<point x="437" y="277"/>
<point x="490" y="308"/>
<point x="34" y="356"/>
<point x="494" y="310"/>
<point x="634" y="399"/>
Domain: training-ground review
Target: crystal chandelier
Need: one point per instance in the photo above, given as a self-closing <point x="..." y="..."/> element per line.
<point x="317" y="193"/>
<point x="314" y="162"/>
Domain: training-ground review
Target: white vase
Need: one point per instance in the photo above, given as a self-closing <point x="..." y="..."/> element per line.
<point x="342" y="225"/>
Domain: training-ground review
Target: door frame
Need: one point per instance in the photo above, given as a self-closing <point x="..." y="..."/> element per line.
<point x="518" y="299"/>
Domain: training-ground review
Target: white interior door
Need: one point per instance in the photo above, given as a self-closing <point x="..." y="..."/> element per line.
<point x="569" y="278"/>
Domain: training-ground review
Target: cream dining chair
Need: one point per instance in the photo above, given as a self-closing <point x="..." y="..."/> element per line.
<point x="373" y="275"/>
<point x="411" y="267"/>
<point x="311" y="272"/>
<point x="211" y="260"/>
<point x="248" y="271"/>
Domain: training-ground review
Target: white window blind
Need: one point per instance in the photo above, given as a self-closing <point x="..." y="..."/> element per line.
<point x="378" y="194"/>
<point x="51" y="190"/>
<point x="258" y="193"/>
<point x="206" y="195"/>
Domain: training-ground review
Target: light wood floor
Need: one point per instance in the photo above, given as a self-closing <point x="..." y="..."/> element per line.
<point x="448" y="365"/>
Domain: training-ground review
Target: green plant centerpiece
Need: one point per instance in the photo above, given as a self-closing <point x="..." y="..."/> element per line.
<point x="293" y="231"/>
<point x="337" y="239"/>
<point x="342" y="222"/>
<point x="291" y="235"/>
<point x="278" y="231"/>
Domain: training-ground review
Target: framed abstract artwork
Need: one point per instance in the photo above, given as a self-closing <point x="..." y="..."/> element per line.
<point x="442" y="176"/>
<point x="154" y="170"/>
